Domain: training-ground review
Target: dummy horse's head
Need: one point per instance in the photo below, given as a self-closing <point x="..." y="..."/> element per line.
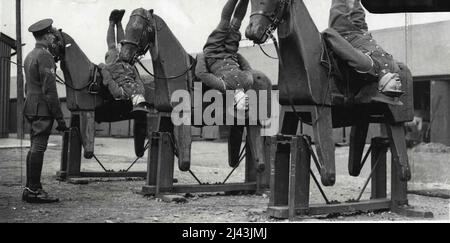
<point x="57" y="48"/>
<point x="139" y="35"/>
<point x="265" y="18"/>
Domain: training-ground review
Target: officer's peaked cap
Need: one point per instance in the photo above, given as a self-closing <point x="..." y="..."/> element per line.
<point x="41" y="27"/>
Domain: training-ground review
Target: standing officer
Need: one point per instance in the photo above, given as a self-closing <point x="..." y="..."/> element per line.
<point x="42" y="107"/>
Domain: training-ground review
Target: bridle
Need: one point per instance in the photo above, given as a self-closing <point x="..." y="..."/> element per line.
<point x="276" y="17"/>
<point x="143" y="43"/>
<point x="94" y="83"/>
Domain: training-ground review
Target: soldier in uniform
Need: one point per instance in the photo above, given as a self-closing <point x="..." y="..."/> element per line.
<point x="349" y="38"/>
<point x="122" y="79"/>
<point x="41" y="108"/>
<point x="114" y="36"/>
<point x="221" y="67"/>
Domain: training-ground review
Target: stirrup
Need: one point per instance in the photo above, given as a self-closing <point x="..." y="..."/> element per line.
<point x="143" y="107"/>
<point x="393" y="93"/>
<point x="380" y="97"/>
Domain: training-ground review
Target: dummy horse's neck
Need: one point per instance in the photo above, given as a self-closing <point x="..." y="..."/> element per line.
<point x="171" y="60"/>
<point x="301" y="76"/>
<point x="75" y="65"/>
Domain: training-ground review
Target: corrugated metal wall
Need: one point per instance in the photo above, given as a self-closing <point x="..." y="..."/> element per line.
<point x="5" y="73"/>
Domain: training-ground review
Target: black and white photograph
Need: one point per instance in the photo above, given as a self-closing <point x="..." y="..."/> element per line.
<point x="254" y="112"/>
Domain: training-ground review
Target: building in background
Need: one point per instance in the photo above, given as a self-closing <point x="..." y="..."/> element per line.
<point x="424" y="46"/>
<point x="7" y="45"/>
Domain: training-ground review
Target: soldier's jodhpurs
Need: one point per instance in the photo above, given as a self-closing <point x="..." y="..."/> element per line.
<point x="41" y="128"/>
<point x="343" y="49"/>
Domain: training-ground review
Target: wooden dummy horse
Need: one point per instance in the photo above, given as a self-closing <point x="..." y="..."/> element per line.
<point x="311" y="91"/>
<point x="90" y="102"/>
<point x="174" y="69"/>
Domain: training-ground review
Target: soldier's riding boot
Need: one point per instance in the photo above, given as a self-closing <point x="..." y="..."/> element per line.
<point x="116" y="15"/>
<point x="33" y="192"/>
<point x="140" y="104"/>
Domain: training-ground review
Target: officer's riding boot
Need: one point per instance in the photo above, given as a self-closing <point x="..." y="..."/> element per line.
<point x="34" y="193"/>
<point x="28" y="169"/>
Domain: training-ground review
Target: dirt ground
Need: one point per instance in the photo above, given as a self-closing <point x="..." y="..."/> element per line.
<point x="119" y="200"/>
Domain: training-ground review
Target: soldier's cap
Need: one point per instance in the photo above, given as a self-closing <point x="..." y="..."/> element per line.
<point x="41" y="27"/>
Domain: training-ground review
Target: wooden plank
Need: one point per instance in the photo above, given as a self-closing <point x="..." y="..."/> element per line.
<point x="396" y="134"/>
<point x="357" y="144"/>
<point x="303" y="177"/>
<point x="323" y="134"/>
<point x="232" y="187"/>
<point x="410" y="212"/>
<point x="256" y="146"/>
<point x="152" y="160"/>
<point x="282" y="212"/>
<point x="292" y="189"/>
<point x="269" y="152"/>
<point x="166" y="160"/>
<point x="141" y="174"/>
<point x="183" y="139"/>
<point x="74" y="153"/>
<point x="64" y="152"/>
<point x="87" y="132"/>
<point x="379" y="179"/>
<point x="399" y="188"/>
<point x="279" y="168"/>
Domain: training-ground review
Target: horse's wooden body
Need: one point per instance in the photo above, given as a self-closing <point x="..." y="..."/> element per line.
<point x="319" y="89"/>
<point x="171" y="60"/>
<point x="89" y="102"/>
<point x="308" y="77"/>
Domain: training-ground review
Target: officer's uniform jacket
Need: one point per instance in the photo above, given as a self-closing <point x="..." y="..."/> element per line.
<point x="41" y="93"/>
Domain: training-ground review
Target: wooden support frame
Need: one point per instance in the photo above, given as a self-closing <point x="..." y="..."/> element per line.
<point x="290" y="194"/>
<point x="82" y="126"/>
<point x="161" y="173"/>
<point x="160" y="169"/>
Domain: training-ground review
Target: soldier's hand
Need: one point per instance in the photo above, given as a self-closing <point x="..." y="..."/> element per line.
<point x="62" y="127"/>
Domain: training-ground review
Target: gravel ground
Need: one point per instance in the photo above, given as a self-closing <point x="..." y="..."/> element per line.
<point x="119" y="200"/>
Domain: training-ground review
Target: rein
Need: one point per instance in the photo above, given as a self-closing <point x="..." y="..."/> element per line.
<point x="170" y="77"/>
<point x="90" y="86"/>
<point x="145" y="50"/>
<point x="93" y="79"/>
